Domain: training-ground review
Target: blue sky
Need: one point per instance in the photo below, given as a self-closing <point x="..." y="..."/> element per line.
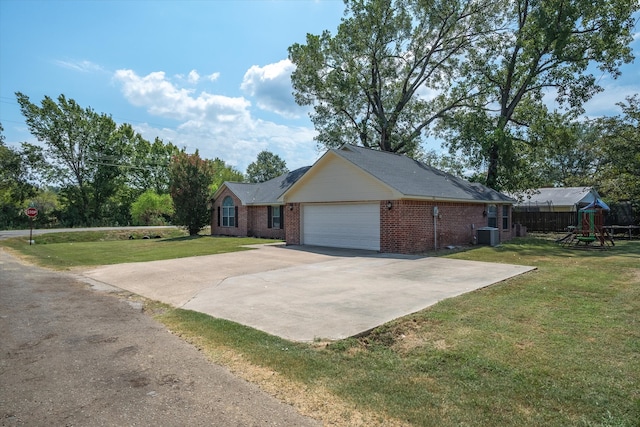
<point x="211" y="75"/>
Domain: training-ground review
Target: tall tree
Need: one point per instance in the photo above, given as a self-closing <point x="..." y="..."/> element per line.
<point x="545" y="47"/>
<point x="148" y="167"/>
<point x="389" y="72"/>
<point x="80" y="146"/>
<point x="619" y="171"/>
<point x="569" y="154"/>
<point x="267" y="166"/>
<point x="15" y="187"/>
<point x="190" y="178"/>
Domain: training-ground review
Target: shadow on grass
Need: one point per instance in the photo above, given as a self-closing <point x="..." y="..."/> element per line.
<point x="183" y="238"/>
<point x="536" y="247"/>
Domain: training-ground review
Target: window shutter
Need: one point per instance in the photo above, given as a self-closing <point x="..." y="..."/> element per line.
<point x="269" y="215"/>
<point x="219" y="216"/>
<point x="236" y="217"/>
<point x="281" y="217"/>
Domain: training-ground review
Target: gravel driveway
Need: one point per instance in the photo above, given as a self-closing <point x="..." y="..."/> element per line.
<point x="72" y="356"/>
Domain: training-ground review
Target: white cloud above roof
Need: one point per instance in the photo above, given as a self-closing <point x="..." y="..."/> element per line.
<point x="271" y="86"/>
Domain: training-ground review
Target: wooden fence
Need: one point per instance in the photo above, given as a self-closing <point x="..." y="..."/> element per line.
<point x="546" y="222"/>
<point x="621" y="214"/>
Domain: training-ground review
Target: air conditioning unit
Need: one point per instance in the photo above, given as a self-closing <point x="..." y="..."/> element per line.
<point x="488" y="236"/>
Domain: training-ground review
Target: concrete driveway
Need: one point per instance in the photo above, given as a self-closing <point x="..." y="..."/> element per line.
<point x="303" y="293"/>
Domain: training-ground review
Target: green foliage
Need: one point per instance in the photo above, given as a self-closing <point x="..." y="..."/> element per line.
<point x="367" y="84"/>
<point x="148" y="163"/>
<point x="544" y="46"/>
<point x="620" y="148"/>
<point x="222" y="173"/>
<point x="190" y="178"/>
<point x="98" y="168"/>
<point x="15" y="188"/>
<point x="151" y="208"/>
<point x="267" y="166"/>
<point x="79" y="152"/>
<point x="618" y="173"/>
<point x="47" y="202"/>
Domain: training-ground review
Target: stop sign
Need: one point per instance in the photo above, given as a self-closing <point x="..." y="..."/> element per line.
<point x="31" y="212"/>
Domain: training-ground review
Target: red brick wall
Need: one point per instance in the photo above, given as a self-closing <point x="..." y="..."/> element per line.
<point x="408" y="227"/>
<point x="252" y="220"/>
<point x="292" y="223"/>
<point x="258" y="224"/>
<point x="243" y="214"/>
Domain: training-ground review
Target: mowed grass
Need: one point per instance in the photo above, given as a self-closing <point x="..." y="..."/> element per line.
<point x="559" y="346"/>
<point x="90" y="248"/>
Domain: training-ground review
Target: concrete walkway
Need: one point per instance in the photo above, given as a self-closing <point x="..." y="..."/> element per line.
<point x="301" y="293"/>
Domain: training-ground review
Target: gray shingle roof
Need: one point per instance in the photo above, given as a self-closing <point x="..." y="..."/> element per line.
<point x="268" y="192"/>
<point x="415" y="179"/>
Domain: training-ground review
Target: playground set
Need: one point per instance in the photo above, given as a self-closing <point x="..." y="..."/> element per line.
<point x="592" y="233"/>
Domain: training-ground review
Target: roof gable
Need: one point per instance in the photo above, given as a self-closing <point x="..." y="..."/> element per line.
<point x="414" y="179"/>
<point x="335" y="179"/>
<point x="263" y="193"/>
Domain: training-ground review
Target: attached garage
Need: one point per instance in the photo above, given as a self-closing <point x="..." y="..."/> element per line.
<point x="360" y="198"/>
<point x="342" y="225"/>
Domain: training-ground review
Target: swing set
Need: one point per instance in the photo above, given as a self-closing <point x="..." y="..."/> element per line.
<point x="592" y="233"/>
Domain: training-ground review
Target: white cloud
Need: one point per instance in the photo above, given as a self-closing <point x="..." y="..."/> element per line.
<point x="271" y="86"/>
<point x="162" y="98"/>
<point x="218" y="126"/>
<point x="193" y="77"/>
<point x="83" y="66"/>
<point x="213" y="76"/>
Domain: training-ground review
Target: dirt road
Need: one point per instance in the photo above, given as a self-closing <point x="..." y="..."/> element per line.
<point x="71" y="356"/>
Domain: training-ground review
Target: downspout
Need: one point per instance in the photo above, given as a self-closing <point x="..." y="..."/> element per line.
<point x="435" y="228"/>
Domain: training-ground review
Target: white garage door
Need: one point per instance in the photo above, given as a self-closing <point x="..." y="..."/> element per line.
<point x="354" y="226"/>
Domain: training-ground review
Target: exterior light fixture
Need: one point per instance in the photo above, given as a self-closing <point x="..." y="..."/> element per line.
<point x="389" y="204"/>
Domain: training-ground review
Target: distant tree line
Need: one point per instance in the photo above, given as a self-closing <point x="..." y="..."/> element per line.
<point x="88" y="171"/>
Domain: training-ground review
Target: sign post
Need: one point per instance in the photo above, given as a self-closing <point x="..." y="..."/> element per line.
<point x="31" y="213"/>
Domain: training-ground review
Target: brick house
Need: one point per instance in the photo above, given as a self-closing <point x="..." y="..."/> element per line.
<point x="243" y="209"/>
<point x="354" y="197"/>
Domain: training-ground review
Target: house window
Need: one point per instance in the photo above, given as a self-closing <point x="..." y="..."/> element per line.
<point x="492" y="216"/>
<point x="228" y="212"/>
<point x="505" y="217"/>
<point x="274" y="217"/>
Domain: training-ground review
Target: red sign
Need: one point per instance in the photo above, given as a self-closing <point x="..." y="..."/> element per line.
<point x="31" y="212"/>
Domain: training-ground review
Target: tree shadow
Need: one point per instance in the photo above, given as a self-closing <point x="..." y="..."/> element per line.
<point x="183" y="238"/>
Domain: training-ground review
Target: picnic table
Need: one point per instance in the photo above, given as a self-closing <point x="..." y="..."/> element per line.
<point x="625" y="230"/>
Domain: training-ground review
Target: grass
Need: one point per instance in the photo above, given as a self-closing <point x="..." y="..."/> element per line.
<point x="556" y="346"/>
<point x="90" y="248"/>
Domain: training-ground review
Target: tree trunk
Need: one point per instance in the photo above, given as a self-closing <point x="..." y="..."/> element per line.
<point x="492" y="168"/>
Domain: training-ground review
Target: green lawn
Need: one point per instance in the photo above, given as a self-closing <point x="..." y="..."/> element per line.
<point x="76" y="249"/>
<point x="559" y="346"/>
